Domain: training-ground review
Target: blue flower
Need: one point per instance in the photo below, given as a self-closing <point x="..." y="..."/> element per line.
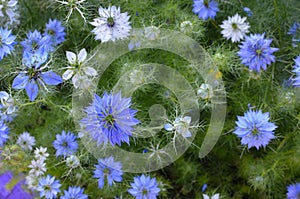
<point x="110" y="119"/>
<point x="48" y="187"/>
<point x="296" y="80"/>
<point x="4" y="131"/>
<point x="255" y="129"/>
<point x="7" y="41"/>
<point x="110" y="169"/>
<point x="35" y="42"/>
<point x="144" y="187"/>
<point x="33" y="76"/>
<point x="256" y="53"/>
<point x="293" y="191"/>
<point x="295" y="32"/>
<point x="65" y="144"/>
<point x="55" y="31"/>
<point x="74" y="192"/>
<point x="248" y="11"/>
<point x="205" y="8"/>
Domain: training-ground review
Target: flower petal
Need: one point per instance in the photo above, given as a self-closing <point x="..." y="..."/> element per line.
<point x="90" y="71"/>
<point x="71" y="57"/>
<point x="82" y="55"/>
<point x="51" y="78"/>
<point x="32" y="90"/>
<point x="20" y="81"/>
<point x="67" y="74"/>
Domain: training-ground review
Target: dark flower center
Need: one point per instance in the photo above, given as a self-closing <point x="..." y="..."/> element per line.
<point x="33" y="73"/>
<point x="255" y="131"/>
<point x="51" y="32"/>
<point x="47" y="187"/>
<point x="64" y="144"/>
<point x="234" y="25"/>
<point x="35" y="45"/>
<point x="106" y="171"/>
<point x="110" y="22"/>
<point x="206" y="3"/>
<point x="258" y="52"/>
<point x="110" y="119"/>
<point x="144" y="191"/>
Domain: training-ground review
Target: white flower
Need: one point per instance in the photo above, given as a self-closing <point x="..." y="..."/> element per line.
<point x="111" y="25"/>
<point x="181" y="125"/>
<point x="38" y="167"/>
<point x="235" y="28"/>
<point x="32" y="181"/>
<point x="152" y="32"/>
<point x="186" y="26"/>
<point x="215" y="196"/>
<point x="72" y="161"/>
<point x="41" y="153"/>
<point x="80" y="75"/>
<point x="26" y="141"/>
<point x="8" y="12"/>
<point x="205" y="91"/>
<point x="7" y="106"/>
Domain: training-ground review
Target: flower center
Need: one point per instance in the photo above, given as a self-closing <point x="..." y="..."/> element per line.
<point x="33" y="73"/>
<point x="110" y="22"/>
<point x="258" y="52"/>
<point x="255" y="131"/>
<point x="47" y="187"/>
<point x="106" y="171"/>
<point x="51" y="32"/>
<point x="144" y="191"/>
<point x="234" y="25"/>
<point x="110" y="119"/>
<point x="206" y="3"/>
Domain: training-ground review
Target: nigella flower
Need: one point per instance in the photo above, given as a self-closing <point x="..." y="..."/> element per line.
<point x="296" y="80"/>
<point x="33" y="76"/>
<point x="48" y="187"/>
<point x="295" y="32"/>
<point x="205" y="8"/>
<point x="80" y="75"/>
<point x="41" y="153"/>
<point x="7" y="107"/>
<point x="181" y="125"/>
<point x="35" y="42"/>
<point x="255" y="129"/>
<point x="248" y="11"/>
<point x="144" y="187"/>
<point x="65" y="144"/>
<point x="293" y="191"/>
<point x="74" y="192"/>
<point x="8" y="12"/>
<point x="108" y="168"/>
<point x="235" y="28"/>
<point x="205" y="91"/>
<point x="256" y="53"/>
<point x="215" y="196"/>
<point x="37" y="167"/>
<point x="4" y="131"/>
<point x="7" y="41"/>
<point x="72" y="162"/>
<point x="26" y="141"/>
<point x="111" y="25"/>
<point x="55" y="31"/>
<point x="110" y="119"/>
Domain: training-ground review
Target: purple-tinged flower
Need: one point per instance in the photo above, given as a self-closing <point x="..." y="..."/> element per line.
<point x="255" y="129"/>
<point x="36" y="42"/>
<point x="108" y="168"/>
<point x="144" y="187"/>
<point x="7" y="41"/>
<point x="295" y="32"/>
<point x="26" y="141"/>
<point x="7" y="107"/>
<point x="293" y="191"/>
<point x="33" y="76"/>
<point x="256" y="53"/>
<point x="205" y="8"/>
<point x="74" y="193"/>
<point x="296" y="80"/>
<point x="110" y="119"/>
<point x="55" y="31"/>
<point x="48" y="187"/>
<point x="4" y="131"/>
<point x="65" y="144"/>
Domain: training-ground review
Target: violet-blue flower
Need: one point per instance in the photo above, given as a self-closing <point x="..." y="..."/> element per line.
<point x="205" y="8"/>
<point x="255" y="129"/>
<point x="108" y="169"/>
<point x="144" y="187"/>
<point x="296" y="79"/>
<point x="110" y="119"/>
<point x="36" y="42"/>
<point x="293" y="191"/>
<point x="48" y="187"/>
<point x="55" y="31"/>
<point x="74" y="193"/>
<point x="295" y="32"/>
<point x="7" y="41"/>
<point x="256" y="52"/>
<point x="33" y="76"/>
<point x="65" y="144"/>
<point x="4" y="132"/>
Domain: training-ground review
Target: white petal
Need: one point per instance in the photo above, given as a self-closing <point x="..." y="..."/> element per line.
<point x="4" y="95"/>
<point x="90" y="71"/>
<point x="76" y="80"/>
<point x="216" y="196"/>
<point x="205" y="196"/>
<point x="71" y="57"/>
<point x="67" y="74"/>
<point x="82" y="56"/>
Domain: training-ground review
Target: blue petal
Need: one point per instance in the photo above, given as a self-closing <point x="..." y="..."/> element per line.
<point x="32" y="90"/>
<point x="51" y="78"/>
<point x="20" y="81"/>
